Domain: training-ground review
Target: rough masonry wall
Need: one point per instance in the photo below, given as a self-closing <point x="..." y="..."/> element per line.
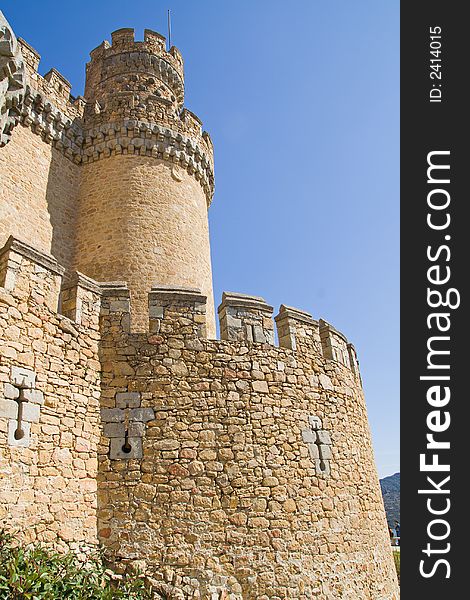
<point x="230" y="496"/>
<point x="47" y="475"/>
<point x="38" y="194"/>
<point x="144" y="220"/>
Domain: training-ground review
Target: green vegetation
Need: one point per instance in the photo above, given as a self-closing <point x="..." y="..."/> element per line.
<point x="34" y="573"/>
<point x="391" y="495"/>
<point x="396" y="558"/>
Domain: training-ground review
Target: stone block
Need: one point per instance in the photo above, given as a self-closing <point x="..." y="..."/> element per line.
<point x="31" y="412"/>
<point x="141" y="414"/>
<point x="9" y="280"/>
<point x="114" y="430"/>
<point x="325" y="451"/>
<point x="260" y="386"/>
<point x="155" y="312"/>
<point x="34" y="396"/>
<point x="22" y="442"/>
<point x="22" y="376"/>
<point x="154" y="325"/>
<point x="116" y="451"/>
<point x="118" y="306"/>
<point x="309" y="436"/>
<point x="313" y="451"/>
<point x="324" y="437"/>
<point x="10" y="391"/>
<point x="233" y="322"/>
<point x="259" y="335"/>
<point x="128" y="399"/>
<point x="325" y="382"/>
<point x="112" y="415"/>
<point x="170" y="444"/>
<point x="315" y="422"/>
<point x="136" y="429"/>
<point x="269" y="336"/>
<point x="322" y="467"/>
<point x="8" y="408"/>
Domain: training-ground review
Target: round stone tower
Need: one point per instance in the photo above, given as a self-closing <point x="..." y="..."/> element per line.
<point x="147" y="176"/>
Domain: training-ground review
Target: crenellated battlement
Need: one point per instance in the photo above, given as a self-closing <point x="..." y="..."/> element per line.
<point x="154" y="43"/>
<point x="177" y="311"/>
<point x="12" y="80"/>
<point x="80" y="300"/>
<point x="173" y="310"/>
<point x="49" y="402"/>
<point x="57" y="82"/>
<point x="334" y="344"/>
<point x="133" y="105"/>
<point x="32" y="276"/>
<point x="43" y="104"/>
<point x="297" y="329"/>
<point x="26" y="272"/>
<point x="246" y="318"/>
<point x="31" y="56"/>
<point x="165" y="425"/>
<point x="53" y="87"/>
<point x="134" y="76"/>
<point x="180" y="311"/>
<point x="135" y="95"/>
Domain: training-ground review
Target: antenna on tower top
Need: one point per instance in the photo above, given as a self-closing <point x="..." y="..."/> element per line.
<point x="169" y="28"/>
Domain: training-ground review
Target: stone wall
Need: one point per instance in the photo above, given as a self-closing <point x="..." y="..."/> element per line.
<point x="38" y="195"/>
<point x="228" y="467"/>
<point x="38" y="183"/>
<point x="49" y="404"/>
<point x="234" y="467"/>
<point x="144" y="220"/>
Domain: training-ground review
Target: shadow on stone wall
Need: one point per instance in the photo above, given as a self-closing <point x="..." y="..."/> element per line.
<point x="62" y="205"/>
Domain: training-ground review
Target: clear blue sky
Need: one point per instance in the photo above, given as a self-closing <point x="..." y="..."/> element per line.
<point x="301" y="99"/>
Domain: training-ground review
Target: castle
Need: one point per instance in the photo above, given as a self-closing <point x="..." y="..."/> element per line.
<point x="224" y="468"/>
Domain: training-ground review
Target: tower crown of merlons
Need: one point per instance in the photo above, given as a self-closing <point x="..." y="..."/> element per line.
<point x="134" y="78"/>
<point x="133" y="104"/>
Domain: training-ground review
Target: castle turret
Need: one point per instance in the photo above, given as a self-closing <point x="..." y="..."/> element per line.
<point x="147" y="177"/>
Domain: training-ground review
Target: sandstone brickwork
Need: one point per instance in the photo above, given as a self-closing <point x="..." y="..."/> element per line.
<point x="38" y="197"/>
<point x="256" y="476"/>
<point x="119" y="182"/>
<point x="48" y="474"/>
<point x="143" y="220"/>
<point x="232" y="468"/>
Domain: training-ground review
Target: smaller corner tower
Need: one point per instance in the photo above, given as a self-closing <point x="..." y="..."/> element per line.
<point x="147" y="174"/>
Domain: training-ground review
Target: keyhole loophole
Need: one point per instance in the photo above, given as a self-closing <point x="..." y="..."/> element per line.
<point x="19" y="434"/>
<point x="126" y="447"/>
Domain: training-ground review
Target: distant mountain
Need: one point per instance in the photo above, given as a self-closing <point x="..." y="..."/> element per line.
<point x="391" y="495"/>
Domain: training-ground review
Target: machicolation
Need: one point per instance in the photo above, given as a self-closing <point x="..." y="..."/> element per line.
<point x="230" y="468"/>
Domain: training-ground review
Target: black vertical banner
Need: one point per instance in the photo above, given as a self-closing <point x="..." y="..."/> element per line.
<point x="435" y="330"/>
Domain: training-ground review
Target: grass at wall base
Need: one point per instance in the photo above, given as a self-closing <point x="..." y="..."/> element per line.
<point x="396" y="560"/>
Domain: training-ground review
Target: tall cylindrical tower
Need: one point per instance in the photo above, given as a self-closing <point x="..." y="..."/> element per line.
<point x="147" y="176"/>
